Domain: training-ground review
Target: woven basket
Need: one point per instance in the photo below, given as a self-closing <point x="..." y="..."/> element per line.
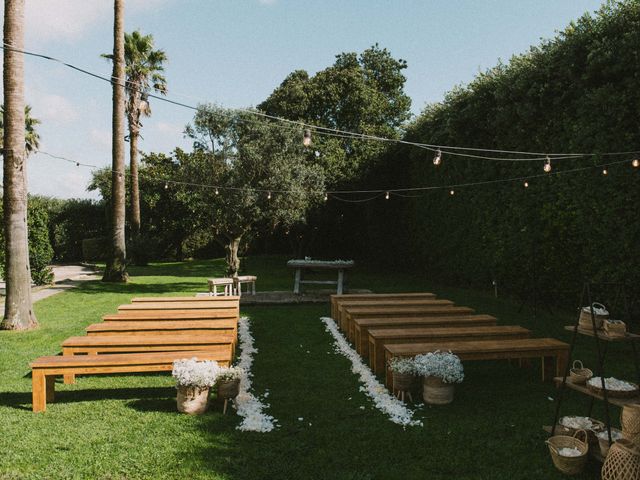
<point x="614" y="328"/>
<point x="585" y="316"/>
<point x="579" y="374"/>
<point x="630" y="422"/>
<point x="622" y="462"/>
<point x="192" y="400"/>
<point x="569" y="465"/>
<point x="405" y="382"/>
<point x="436" y="392"/>
<point x="229" y="389"/>
<point x="615" y="393"/>
<point x="604" y="442"/>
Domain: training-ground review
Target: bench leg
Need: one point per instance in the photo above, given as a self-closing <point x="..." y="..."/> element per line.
<point x="253" y="288"/>
<point x="340" y="281"/>
<point x="69" y="378"/>
<point x="296" y="285"/>
<point x="39" y="391"/>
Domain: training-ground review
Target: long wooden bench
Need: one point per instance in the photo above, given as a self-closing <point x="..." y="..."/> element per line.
<point x="141" y="343"/>
<point x="487" y="350"/>
<point x="361" y="326"/>
<point x="399" y="311"/>
<point x="154" y="315"/>
<point x="337" y="299"/>
<point x="46" y="369"/>
<point x="180" y="306"/>
<point x="165" y="327"/>
<point x="419" y="302"/>
<point x="185" y="299"/>
<point x="378" y="338"/>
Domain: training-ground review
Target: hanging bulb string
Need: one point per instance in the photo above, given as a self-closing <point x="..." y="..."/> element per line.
<point x="318" y="129"/>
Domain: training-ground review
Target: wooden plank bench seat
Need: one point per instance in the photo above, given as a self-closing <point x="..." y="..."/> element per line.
<point x="487" y="350"/>
<point x="418" y="302"/>
<point x="165" y="327"/>
<point x="141" y="343"/>
<point x="336" y="299"/>
<point x="185" y="299"/>
<point x="399" y="311"/>
<point x="378" y="338"/>
<point x="152" y="315"/>
<point x="362" y="326"/>
<point x="44" y="370"/>
<point x="180" y="306"/>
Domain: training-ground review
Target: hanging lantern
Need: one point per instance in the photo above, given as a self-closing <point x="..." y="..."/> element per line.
<point x="547" y="165"/>
<point x="166" y="186"/>
<point x="306" y="139"/>
<point x="217" y="192"/>
<point x="437" y="159"/>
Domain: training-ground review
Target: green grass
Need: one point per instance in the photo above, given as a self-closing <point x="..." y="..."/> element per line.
<point x="127" y="427"/>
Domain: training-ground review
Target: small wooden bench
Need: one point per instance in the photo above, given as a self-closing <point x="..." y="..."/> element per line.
<point x="418" y="302"/>
<point x="400" y="311"/>
<point x="337" y="299"/>
<point x="204" y="298"/>
<point x="166" y="327"/>
<point x="227" y="283"/>
<point x="363" y="325"/>
<point x="378" y="338"/>
<point x="152" y="315"/>
<point x="141" y="343"/>
<point x="249" y="280"/>
<point x="487" y="350"/>
<point x="44" y="370"/>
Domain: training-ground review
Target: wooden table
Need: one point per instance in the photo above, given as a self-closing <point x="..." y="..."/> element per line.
<point x="301" y="265"/>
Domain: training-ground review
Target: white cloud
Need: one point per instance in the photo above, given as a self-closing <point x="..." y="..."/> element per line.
<point x="52" y="108"/>
<point x="100" y="137"/>
<point x="169" y="128"/>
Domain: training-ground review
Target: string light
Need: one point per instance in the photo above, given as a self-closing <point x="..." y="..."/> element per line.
<point x="166" y="186"/>
<point x="77" y="164"/>
<point x="547" y="165"/>
<point x="326" y="197"/>
<point x="217" y="191"/>
<point x="526" y="184"/>
<point x="269" y="196"/>
<point x="437" y="159"/>
<point x="386" y="196"/>
<point x="317" y="153"/>
<point x="604" y="171"/>
<point x="452" y="192"/>
<point x="635" y="163"/>
<point x="306" y="139"/>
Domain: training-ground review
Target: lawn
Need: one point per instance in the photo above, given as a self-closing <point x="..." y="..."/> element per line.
<point x="127" y="427"/>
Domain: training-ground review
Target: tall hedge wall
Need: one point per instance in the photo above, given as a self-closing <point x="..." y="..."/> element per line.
<point x="579" y="92"/>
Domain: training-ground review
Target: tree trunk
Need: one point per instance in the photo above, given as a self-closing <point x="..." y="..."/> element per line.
<point x="233" y="262"/>
<point x="135" y="188"/>
<point x="18" y="314"/>
<point x="116" y="260"/>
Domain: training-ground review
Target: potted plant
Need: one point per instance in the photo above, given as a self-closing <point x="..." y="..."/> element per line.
<point x="404" y="377"/>
<point x="193" y="381"/>
<point x="441" y="371"/>
<point x="228" y="383"/>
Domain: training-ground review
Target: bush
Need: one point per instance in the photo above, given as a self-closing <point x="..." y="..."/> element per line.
<point x="40" y="250"/>
<point x="71" y="221"/>
<point x="94" y="249"/>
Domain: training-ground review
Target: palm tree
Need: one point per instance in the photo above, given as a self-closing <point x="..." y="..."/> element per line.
<point x="18" y="312"/>
<point x="116" y="269"/>
<point x="32" y="138"/>
<point x="144" y="73"/>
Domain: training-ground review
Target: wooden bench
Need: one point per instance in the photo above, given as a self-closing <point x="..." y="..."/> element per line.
<point x="336" y="299"/>
<point x="249" y="280"/>
<point x="378" y="338"/>
<point x="152" y="315"/>
<point x="184" y="299"/>
<point x="362" y="326"/>
<point x="44" y="370"/>
<point x="166" y="327"/>
<point x="400" y="311"/>
<point x="141" y="343"/>
<point x="418" y="302"/>
<point x="487" y="350"/>
<point x="227" y="283"/>
<point x="180" y="306"/>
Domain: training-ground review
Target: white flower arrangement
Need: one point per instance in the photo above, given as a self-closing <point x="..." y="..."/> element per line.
<point x="193" y="373"/>
<point x="403" y="365"/>
<point x="612" y="384"/>
<point x="229" y="374"/>
<point x="386" y="403"/>
<point x="444" y="365"/>
<point x="248" y="406"/>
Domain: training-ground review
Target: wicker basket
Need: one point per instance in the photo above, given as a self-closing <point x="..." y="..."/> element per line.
<point x="622" y="462"/>
<point x="630" y="422"/>
<point x="615" y="393"/>
<point x="585" y="316"/>
<point x="405" y="382"/>
<point x="604" y="442"/>
<point x="569" y="465"/>
<point x="436" y="392"/>
<point x="614" y="328"/>
<point x="579" y="374"/>
<point x="229" y="389"/>
<point x="192" y="400"/>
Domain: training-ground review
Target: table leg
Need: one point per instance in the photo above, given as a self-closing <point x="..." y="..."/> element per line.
<point x="340" y="281"/>
<point x="296" y="285"/>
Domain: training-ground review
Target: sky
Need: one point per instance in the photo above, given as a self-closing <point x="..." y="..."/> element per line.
<point x="235" y="52"/>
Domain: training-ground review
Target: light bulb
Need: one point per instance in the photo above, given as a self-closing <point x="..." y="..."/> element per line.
<point x="604" y="171"/>
<point x="547" y="165"/>
<point x="306" y="139"/>
<point x="452" y="192"/>
<point x="217" y="192"/>
<point x="269" y="196"/>
<point x="317" y="154"/>
<point x="326" y="197"/>
<point x="437" y="159"/>
<point x="77" y="164"/>
<point x="526" y="184"/>
<point x="635" y="163"/>
<point x="386" y="196"/>
<point x="166" y="186"/>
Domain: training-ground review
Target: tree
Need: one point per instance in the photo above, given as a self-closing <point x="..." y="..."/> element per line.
<point x="258" y="173"/>
<point x="18" y="314"/>
<point x="144" y="73"/>
<point x="32" y="137"/>
<point x="116" y="269"/>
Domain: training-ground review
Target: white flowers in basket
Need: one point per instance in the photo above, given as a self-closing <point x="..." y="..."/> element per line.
<point x="193" y="373"/>
<point x="230" y="374"/>
<point x="403" y="365"/>
<point x="443" y="365"/>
